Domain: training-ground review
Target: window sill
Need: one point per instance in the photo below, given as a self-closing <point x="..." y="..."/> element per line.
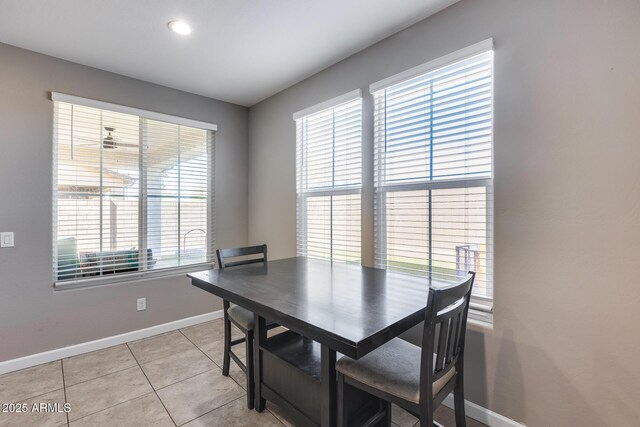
<point x="480" y="318"/>
<point x="90" y="283"/>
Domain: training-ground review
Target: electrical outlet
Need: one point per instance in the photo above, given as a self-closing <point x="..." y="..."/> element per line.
<point x="142" y="304"/>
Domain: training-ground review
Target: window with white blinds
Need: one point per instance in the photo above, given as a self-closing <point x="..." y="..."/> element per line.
<point x="328" y="170"/>
<point x="433" y="170"/>
<point x="132" y="192"/>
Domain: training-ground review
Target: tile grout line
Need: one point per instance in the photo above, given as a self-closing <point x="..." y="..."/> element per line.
<point x="212" y="410"/>
<point x="207" y="356"/>
<point x="151" y="385"/>
<point x="110" y="407"/>
<point x="27" y="399"/>
<point x="184" y="379"/>
<point x="119" y="403"/>
<point x="243" y="396"/>
<point x="101" y="376"/>
<point x="157" y="358"/>
<point x="64" y="388"/>
<point x="213" y="361"/>
<point x="275" y="416"/>
<point x="24" y="400"/>
<point x="227" y="404"/>
<point x="133" y="365"/>
<point x="7" y="374"/>
<point x="232" y="378"/>
<point x="240" y="385"/>
<point x="137" y="364"/>
<point x="201" y="351"/>
<point x="216" y="366"/>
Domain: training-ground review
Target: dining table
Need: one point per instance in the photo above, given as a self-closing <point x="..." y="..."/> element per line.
<point x="327" y="310"/>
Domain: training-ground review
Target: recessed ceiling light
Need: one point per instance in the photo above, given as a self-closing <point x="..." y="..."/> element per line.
<point x="180" y="27"/>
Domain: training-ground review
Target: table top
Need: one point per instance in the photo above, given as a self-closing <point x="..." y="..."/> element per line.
<point x="351" y="308"/>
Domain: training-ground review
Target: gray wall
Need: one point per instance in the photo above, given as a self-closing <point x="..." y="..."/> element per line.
<point x="34" y="318"/>
<point x="564" y="347"/>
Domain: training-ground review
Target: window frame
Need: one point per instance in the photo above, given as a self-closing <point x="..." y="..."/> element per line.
<point x="302" y="196"/>
<point x="143" y="115"/>
<point x="478" y="302"/>
<point x="482" y="307"/>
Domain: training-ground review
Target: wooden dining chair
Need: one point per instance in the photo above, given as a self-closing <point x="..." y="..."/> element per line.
<point x="239" y="316"/>
<point x="416" y="378"/>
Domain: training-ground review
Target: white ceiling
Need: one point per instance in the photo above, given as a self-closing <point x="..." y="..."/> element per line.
<point x="241" y="51"/>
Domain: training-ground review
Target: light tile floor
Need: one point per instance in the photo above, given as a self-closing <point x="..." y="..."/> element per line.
<point x="172" y="379"/>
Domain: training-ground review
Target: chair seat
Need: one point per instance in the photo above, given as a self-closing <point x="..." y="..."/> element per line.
<point x="393" y="368"/>
<point x="243" y="317"/>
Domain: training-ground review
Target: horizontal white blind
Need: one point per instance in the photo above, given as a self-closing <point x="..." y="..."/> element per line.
<point x="433" y="173"/>
<point x="131" y="194"/>
<point x="328" y="169"/>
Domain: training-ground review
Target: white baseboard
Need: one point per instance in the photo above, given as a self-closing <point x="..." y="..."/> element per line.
<point x="485" y="416"/>
<point x="74" y="350"/>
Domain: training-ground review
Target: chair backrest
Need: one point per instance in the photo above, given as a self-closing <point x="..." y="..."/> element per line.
<point x="225" y="254"/>
<point x="444" y="332"/>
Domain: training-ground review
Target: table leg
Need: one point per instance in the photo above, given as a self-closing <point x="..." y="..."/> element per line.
<point x="259" y="337"/>
<point x="328" y="414"/>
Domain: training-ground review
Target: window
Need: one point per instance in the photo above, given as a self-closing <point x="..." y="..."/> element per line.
<point x="132" y="192"/>
<point x="328" y="170"/>
<point x="433" y="169"/>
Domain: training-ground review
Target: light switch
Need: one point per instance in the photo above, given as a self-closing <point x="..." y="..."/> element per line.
<point x="6" y="239"/>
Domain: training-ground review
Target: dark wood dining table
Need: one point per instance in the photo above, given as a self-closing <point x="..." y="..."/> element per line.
<point x="327" y="308"/>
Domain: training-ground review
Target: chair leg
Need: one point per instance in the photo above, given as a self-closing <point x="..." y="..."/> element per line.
<point x="342" y="415"/>
<point x="458" y="401"/>
<point x="250" y="371"/>
<point x="426" y="413"/>
<point x="387" y="422"/>
<point x="259" y="338"/>
<point x="227" y="344"/>
<point x="426" y="420"/>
